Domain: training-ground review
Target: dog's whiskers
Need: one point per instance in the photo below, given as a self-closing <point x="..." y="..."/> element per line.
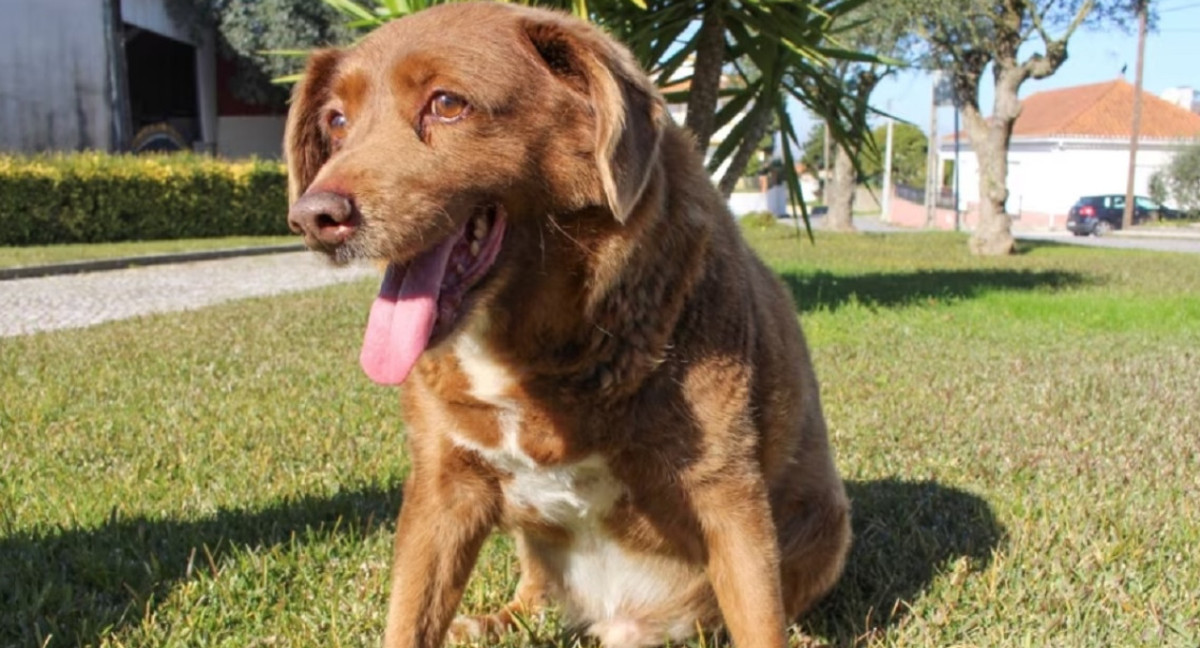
<point x="557" y="226"/>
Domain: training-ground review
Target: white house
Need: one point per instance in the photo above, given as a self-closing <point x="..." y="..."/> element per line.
<point x="1073" y="142"/>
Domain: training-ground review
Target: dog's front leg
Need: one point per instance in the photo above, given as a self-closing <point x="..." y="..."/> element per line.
<point x="449" y="508"/>
<point x="743" y="559"/>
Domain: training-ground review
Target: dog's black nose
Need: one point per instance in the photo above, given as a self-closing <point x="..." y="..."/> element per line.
<point x="324" y="218"/>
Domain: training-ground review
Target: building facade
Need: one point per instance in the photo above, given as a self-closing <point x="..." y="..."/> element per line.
<point x="1074" y="142"/>
<point x="117" y="75"/>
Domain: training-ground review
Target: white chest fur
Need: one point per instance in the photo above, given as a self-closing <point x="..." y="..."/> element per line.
<point x="604" y="585"/>
<point x="572" y="495"/>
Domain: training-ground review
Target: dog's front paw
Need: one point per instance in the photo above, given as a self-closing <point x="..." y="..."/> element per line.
<point x="479" y="628"/>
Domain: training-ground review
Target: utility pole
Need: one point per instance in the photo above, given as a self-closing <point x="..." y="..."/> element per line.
<point x="931" y="163"/>
<point x="957" y="150"/>
<point x="1127" y="217"/>
<point x="887" y="173"/>
<point x="825" y="165"/>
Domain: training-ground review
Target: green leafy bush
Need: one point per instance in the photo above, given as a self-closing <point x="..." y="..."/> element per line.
<point x="758" y="220"/>
<point x="95" y="197"/>
<point x="1183" y="178"/>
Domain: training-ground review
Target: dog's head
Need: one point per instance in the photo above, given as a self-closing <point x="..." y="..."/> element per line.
<point x="431" y="142"/>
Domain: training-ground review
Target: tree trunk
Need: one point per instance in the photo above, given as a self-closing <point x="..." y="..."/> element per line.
<point x="757" y="128"/>
<point x="990" y="138"/>
<point x="706" y="78"/>
<point x="840" y="196"/>
<point x="993" y="233"/>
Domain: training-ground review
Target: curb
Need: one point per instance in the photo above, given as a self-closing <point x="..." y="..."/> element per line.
<point x="122" y="263"/>
<point x="1167" y="234"/>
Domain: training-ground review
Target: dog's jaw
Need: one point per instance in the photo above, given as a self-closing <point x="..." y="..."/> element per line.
<point x="420" y="302"/>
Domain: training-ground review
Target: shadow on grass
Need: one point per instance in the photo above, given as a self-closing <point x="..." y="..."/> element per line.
<point x="827" y="291"/>
<point x="905" y="533"/>
<point x="1028" y="246"/>
<point x="81" y="584"/>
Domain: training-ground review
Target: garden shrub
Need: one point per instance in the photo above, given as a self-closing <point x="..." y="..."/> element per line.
<point x="96" y="197"/>
<point x="758" y="220"/>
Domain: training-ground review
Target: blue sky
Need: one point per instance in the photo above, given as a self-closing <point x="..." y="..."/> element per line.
<point x="1172" y="59"/>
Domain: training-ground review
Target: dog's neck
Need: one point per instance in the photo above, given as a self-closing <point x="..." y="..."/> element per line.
<point x="603" y="341"/>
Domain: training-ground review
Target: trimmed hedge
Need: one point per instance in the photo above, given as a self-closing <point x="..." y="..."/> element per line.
<point x="95" y="197"/>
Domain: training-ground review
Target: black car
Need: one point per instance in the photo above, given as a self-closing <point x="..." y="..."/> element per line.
<point x="1099" y="215"/>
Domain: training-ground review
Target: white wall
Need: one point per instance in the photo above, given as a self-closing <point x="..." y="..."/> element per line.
<point x="773" y="200"/>
<point x="1049" y="176"/>
<point x="742" y="203"/>
<point x="245" y="136"/>
<point x="53" y="76"/>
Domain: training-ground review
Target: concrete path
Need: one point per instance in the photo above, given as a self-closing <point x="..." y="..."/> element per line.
<point x="79" y="300"/>
<point x="75" y="301"/>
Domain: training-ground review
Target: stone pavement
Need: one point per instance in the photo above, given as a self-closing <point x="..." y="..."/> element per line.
<point x="75" y="301"/>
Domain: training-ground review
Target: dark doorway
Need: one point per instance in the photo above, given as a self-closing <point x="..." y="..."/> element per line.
<point x="162" y="91"/>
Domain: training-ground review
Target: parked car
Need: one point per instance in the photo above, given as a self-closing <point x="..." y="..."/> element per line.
<point x="1099" y="215"/>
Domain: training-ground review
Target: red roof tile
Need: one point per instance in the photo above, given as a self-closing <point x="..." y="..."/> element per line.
<point x="1102" y="110"/>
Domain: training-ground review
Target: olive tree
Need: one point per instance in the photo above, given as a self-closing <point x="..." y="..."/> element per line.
<point x="888" y="38"/>
<point x="1180" y="180"/>
<point x="1014" y="41"/>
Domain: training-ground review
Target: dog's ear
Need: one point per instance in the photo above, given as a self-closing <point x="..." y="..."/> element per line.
<point x="304" y="145"/>
<point x="628" y="110"/>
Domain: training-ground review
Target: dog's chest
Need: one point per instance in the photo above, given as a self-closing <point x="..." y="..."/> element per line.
<point x="574" y="495"/>
<point x="605" y="586"/>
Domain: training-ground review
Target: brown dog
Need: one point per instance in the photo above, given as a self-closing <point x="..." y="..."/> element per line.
<point x="594" y="361"/>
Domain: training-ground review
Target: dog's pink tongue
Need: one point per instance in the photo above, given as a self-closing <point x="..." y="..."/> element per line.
<point x="403" y="316"/>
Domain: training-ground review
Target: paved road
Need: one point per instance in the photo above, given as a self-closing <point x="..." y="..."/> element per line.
<point x="1178" y="244"/>
<point x="1166" y="242"/>
<point x="74" y="301"/>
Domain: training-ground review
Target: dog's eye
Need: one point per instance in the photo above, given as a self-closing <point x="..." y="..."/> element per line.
<point x="447" y="107"/>
<point x="337" y="124"/>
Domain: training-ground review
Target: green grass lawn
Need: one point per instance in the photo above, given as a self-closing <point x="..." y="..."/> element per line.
<point x="13" y="257"/>
<point x="1020" y="436"/>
